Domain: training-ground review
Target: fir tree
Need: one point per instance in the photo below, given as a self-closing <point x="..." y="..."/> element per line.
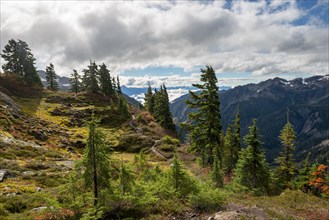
<point x="237" y="138"/>
<point x="302" y="181"/>
<point x="228" y="158"/>
<point x="126" y="179"/>
<point x="162" y="112"/>
<point x="123" y="106"/>
<point x="149" y="100"/>
<point x="177" y="173"/>
<point x="20" y="62"/>
<point x="216" y="176"/>
<point x="252" y="170"/>
<point x="95" y="161"/>
<point x="286" y="169"/>
<point x="118" y="86"/>
<point x="75" y="82"/>
<point x="105" y="81"/>
<point x="179" y="179"/>
<point x="90" y="79"/>
<point x="114" y="85"/>
<point x="51" y="78"/>
<point x="205" y="132"/>
<point x="140" y="162"/>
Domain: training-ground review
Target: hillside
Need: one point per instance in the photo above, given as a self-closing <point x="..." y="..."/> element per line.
<point x="43" y="134"/>
<point x="268" y="101"/>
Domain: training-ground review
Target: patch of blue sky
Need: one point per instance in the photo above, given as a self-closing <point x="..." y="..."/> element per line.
<point x="318" y="9"/>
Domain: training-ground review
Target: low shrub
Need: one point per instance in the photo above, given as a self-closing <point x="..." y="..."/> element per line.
<point x="207" y="199"/>
<point x="170" y="140"/>
<point x="15" y="204"/>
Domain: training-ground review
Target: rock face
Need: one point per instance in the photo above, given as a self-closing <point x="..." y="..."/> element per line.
<point x="9" y="103"/>
<point x="3" y="175"/>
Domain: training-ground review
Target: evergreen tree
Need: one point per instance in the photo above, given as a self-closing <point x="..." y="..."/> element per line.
<point x="114" y="85"/>
<point x="140" y="162"/>
<point x="75" y="82"/>
<point x="123" y="106"/>
<point x="118" y="86"/>
<point x="237" y="138"/>
<point x="149" y="100"/>
<point x="177" y="173"/>
<point x="126" y="179"/>
<point x="95" y="161"/>
<point x="179" y="179"/>
<point x="302" y="181"/>
<point x="286" y="169"/>
<point x="216" y="173"/>
<point x="90" y="79"/>
<point x="105" y="81"/>
<point x="20" y="62"/>
<point x="162" y="112"/>
<point x="51" y="78"/>
<point x="228" y="158"/>
<point x="252" y="170"/>
<point x="11" y="55"/>
<point x="205" y="124"/>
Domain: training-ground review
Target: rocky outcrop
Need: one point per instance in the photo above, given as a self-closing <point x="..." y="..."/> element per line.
<point x="3" y="175"/>
<point x="236" y="212"/>
<point x="12" y="141"/>
<point x="9" y="104"/>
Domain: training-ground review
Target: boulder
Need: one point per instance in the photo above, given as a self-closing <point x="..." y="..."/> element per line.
<point x="7" y="101"/>
<point x="39" y="134"/>
<point x="3" y="175"/>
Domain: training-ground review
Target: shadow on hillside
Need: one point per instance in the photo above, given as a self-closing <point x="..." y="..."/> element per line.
<point x="26" y="96"/>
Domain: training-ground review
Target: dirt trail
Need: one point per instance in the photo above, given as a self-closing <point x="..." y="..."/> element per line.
<point x="139" y="131"/>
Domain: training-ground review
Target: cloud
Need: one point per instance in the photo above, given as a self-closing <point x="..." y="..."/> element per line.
<point x="261" y="37"/>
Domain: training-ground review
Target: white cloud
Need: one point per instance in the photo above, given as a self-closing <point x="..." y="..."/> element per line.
<point x="254" y="37"/>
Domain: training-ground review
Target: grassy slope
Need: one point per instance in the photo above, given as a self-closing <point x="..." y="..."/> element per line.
<point x="49" y="172"/>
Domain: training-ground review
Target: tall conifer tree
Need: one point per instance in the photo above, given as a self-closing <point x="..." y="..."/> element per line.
<point x="162" y="112"/>
<point x="95" y="161"/>
<point x="205" y="127"/>
<point x="19" y="61"/>
<point x="75" y="82"/>
<point x="105" y="80"/>
<point x="286" y="169"/>
<point x="237" y="137"/>
<point x="228" y="158"/>
<point x="118" y="86"/>
<point x="252" y="170"/>
<point x="149" y="99"/>
<point x="51" y="78"/>
<point x="90" y="78"/>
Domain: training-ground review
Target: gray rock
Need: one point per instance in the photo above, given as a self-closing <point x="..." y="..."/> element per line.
<point x="9" y="103"/>
<point x="39" y="134"/>
<point x="39" y="209"/>
<point x="28" y="173"/>
<point x="38" y="189"/>
<point x="3" y="175"/>
<point x="13" y="141"/>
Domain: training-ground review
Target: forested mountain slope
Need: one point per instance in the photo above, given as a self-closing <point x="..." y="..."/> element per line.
<point x="306" y="101"/>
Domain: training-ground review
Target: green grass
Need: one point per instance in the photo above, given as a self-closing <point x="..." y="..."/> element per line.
<point x="289" y="205"/>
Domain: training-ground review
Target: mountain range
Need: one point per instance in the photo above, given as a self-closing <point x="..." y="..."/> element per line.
<point x="302" y="102"/>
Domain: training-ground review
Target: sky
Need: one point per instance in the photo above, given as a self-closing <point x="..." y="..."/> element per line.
<point x="169" y="41"/>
